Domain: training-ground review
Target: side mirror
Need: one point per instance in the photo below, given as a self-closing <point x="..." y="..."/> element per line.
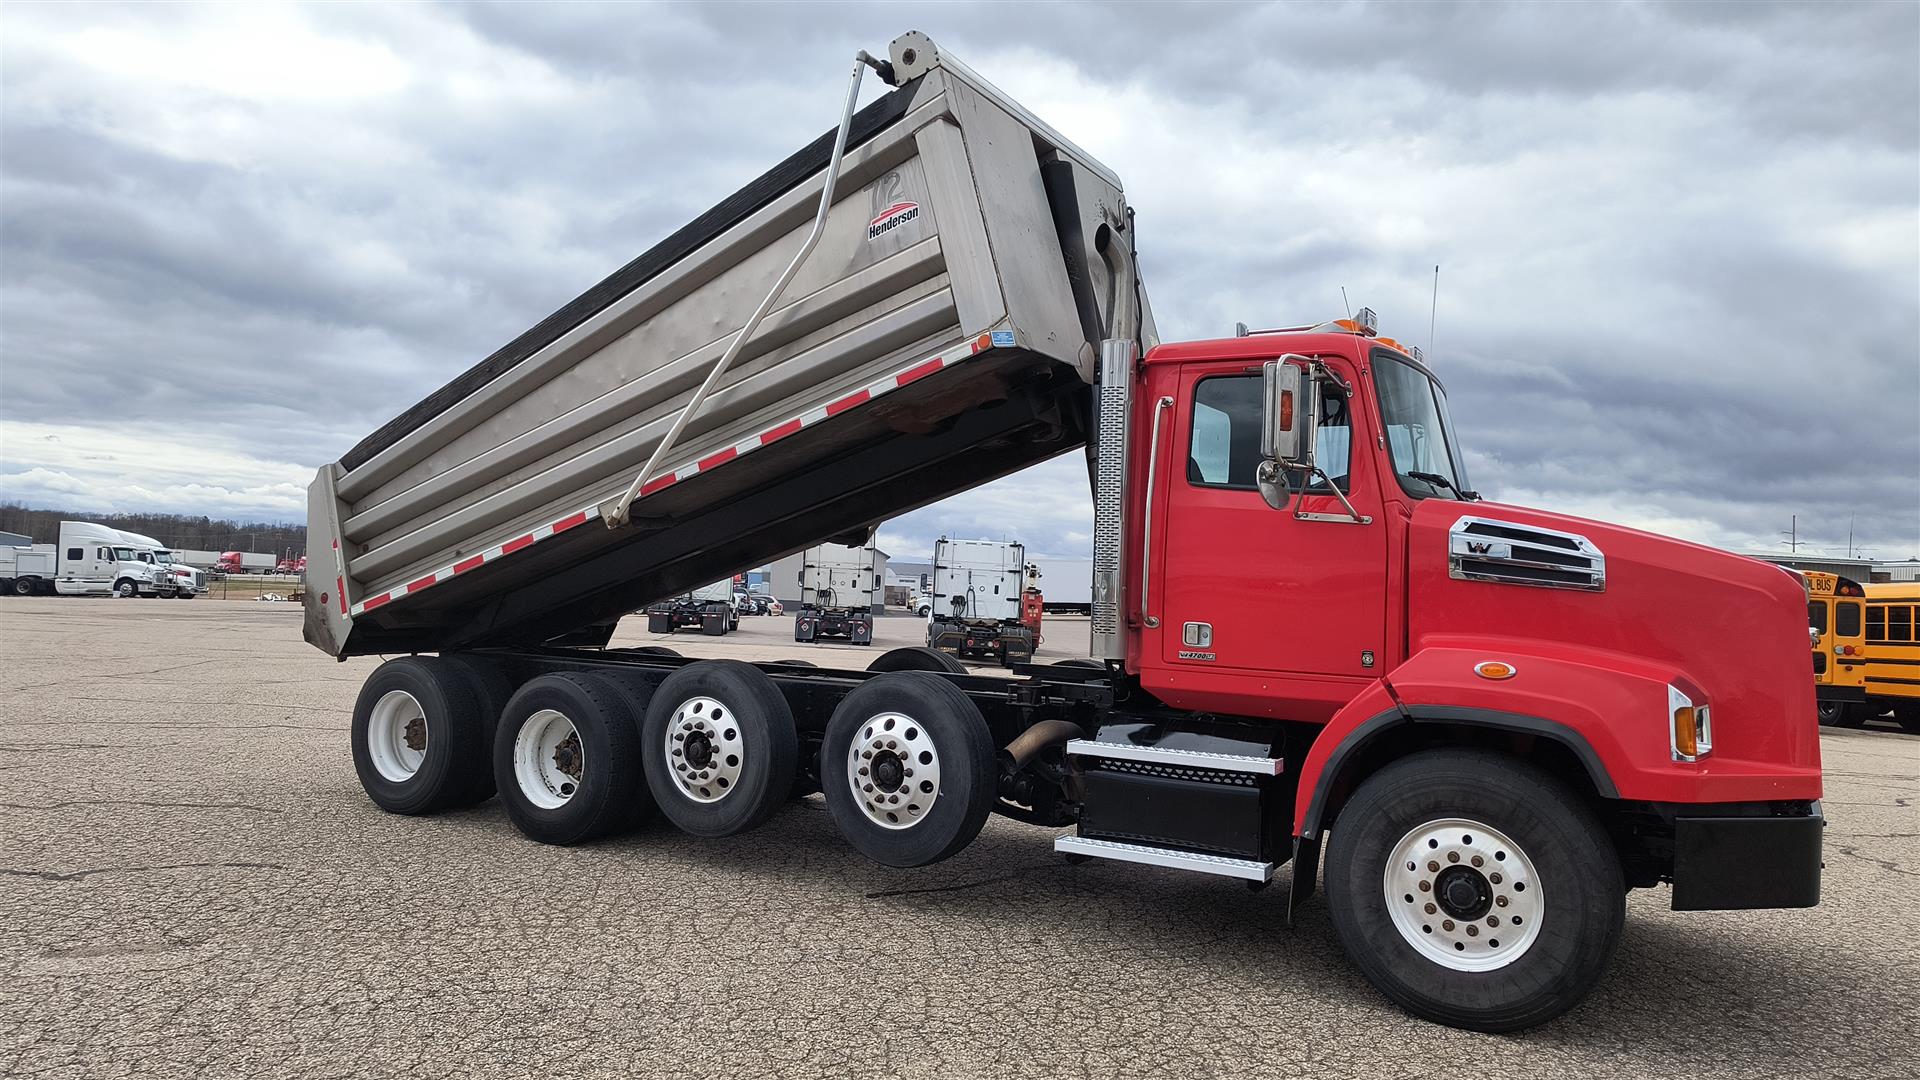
<point x="1290" y="419"/>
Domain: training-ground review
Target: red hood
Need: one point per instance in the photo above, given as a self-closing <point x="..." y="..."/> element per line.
<point x="1734" y="627"/>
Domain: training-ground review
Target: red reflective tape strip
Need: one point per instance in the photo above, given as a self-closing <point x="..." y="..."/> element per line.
<point x="848" y="402"/>
<point x="782" y="431"/>
<point x="416" y="586"/>
<point x="570" y="521"/>
<point x="467" y="564"/>
<point x="720" y="458"/>
<point x="340" y="588"/>
<point x="372" y="602"/>
<point x="659" y="482"/>
<point x="919" y="371"/>
<point x="336" y="545"/>
<point x="516" y="544"/>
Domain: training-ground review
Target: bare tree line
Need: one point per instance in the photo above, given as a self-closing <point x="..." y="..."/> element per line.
<point x="177" y="531"/>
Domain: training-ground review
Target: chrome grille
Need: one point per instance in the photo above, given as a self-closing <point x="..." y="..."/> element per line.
<point x="1109" y="496"/>
<point x="1487" y="549"/>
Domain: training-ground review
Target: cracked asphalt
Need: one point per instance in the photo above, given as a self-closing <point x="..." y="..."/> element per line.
<point x="191" y="883"/>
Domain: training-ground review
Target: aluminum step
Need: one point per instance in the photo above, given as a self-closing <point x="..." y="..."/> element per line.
<point x="1192" y="759"/>
<point x="1222" y="865"/>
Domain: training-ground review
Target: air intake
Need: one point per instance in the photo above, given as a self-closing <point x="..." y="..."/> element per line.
<point x="1484" y="549"/>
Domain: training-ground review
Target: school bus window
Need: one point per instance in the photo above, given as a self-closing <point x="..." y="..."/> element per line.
<point x="1899" y="623"/>
<point x="1876" y="622"/>
<point x="1817" y="615"/>
<point x="1846" y="619"/>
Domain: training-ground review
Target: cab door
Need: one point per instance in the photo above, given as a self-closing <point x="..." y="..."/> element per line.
<point x="1252" y="590"/>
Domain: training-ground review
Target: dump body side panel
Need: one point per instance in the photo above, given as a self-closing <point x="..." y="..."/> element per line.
<point x="939" y="290"/>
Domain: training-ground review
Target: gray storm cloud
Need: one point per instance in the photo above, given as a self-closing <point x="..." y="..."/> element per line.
<point x="1681" y="244"/>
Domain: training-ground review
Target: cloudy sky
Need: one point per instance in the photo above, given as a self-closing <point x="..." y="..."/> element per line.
<point x="1680" y="244"/>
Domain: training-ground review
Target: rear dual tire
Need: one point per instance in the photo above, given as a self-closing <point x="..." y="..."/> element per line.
<point x="419" y="737"/>
<point x="908" y="769"/>
<point x="720" y="748"/>
<point x="566" y="758"/>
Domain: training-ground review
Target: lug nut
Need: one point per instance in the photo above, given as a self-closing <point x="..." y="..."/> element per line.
<point x="1447" y="925"/>
<point x="1500" y="901"/>
<point x="1473" y="931"/>
<point x="1426" y="886"/>
<point x="1453" y="856"/>
<point x="1431" y="909"/>
<point x="1433" y="867"/>
<point x="1495" y="878"/>
<point x="1493" y="920"/>
<point x="1478" y="861"/>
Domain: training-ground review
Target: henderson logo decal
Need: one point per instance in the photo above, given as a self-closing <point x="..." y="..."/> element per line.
<point x="891" y="206"/>
<point x="1195" y="654"/>
<point x="892" y="218"/>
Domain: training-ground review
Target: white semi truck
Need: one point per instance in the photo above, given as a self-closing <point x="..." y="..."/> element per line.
<point x="709" y="609"/>
<point x="88" y="559"/>
<point x="839" y="587"/>
<point x="1467" y="714"/>
<point x="978" y="589"/>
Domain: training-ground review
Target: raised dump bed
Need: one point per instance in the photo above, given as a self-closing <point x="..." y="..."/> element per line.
<point x="942" y="332"/>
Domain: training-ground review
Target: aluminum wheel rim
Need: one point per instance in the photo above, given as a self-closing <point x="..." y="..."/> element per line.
<point x="397" y="736"/>
<point x="894" y="771"/>
<point x="1464" y="895"/>
<point x="705" y="750"/>
<point x="548" y="759"/>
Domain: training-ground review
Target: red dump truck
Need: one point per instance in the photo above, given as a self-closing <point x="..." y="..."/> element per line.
<point x="1478" y="725"/>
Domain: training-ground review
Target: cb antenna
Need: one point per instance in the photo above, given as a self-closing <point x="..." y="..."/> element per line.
<point x="1435" y="309"/>
<point x="1344" y="303"/>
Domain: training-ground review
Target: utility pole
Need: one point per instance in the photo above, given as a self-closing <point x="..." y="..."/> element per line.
<point x="1793" y="536"/>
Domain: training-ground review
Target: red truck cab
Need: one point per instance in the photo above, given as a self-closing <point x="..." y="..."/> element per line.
<point x="1405" y="611"/>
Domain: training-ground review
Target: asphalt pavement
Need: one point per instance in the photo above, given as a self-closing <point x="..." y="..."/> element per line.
<point x="193" y="884"/>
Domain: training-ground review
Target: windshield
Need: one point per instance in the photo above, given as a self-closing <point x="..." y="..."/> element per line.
<point x="163" y="557"/>
<point x="124" y="554"/>
<point x="1419" y="433"/>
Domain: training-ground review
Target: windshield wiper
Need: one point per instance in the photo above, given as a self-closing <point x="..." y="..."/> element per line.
<point x="1440" y="481"/>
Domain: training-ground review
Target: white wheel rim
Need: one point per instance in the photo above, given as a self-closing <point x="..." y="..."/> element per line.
<point x="894" y="771"/>
<point x="1464" y="895"/>
<point x="705" y="750"/>
<point x="548" y="760"/>
<point x="397" y="736"/>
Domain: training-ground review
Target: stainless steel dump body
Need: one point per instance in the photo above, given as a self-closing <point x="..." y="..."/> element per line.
<point x="943" y="332"/>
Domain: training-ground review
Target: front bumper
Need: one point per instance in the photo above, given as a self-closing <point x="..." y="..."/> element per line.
<point x="1739" y="863"/>
<point x="1844" y="694"/>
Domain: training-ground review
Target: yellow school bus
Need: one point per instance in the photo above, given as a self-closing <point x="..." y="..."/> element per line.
<point x="1893" y="651"/>
<point x="1839" y="648"/>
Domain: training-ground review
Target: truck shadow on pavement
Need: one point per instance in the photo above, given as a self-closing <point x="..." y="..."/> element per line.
<point x="1182" y="928"/>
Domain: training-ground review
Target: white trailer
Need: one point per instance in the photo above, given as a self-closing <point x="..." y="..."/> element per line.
<point x="1067" y="584"/>
<point x="977" y="588"/>
<point x="27" y="570"/>
<point x="839" y="587"/>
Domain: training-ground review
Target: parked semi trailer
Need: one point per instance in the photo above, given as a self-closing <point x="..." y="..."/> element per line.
<point x="1067" y="583"/>
<point x="709" y="609"/>
<point x="979" y="601"/>
<point x="1489" y="715"/>
<point x="839" y="586"/>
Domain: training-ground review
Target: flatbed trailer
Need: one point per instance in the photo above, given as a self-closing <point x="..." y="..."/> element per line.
<point x="1487" y="714"/>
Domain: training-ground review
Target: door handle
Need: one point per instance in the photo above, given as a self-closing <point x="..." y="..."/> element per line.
<point x="1146" y="517"/>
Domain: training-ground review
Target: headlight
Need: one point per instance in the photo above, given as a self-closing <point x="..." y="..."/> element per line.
<point x="1691" y="726"/>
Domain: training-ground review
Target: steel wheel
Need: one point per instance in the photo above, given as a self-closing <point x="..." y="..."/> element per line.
<point x="548" y="760"/>
<point x="704" y="745"/>
<point x="126" y="590"/>
<point x="397" y="735"/>
<point x="1464" y="895"/>
<point x="894" y="771"/>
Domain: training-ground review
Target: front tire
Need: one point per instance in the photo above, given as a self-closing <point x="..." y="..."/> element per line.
<point x="125" y="589"/>
<point x="1508" y="850"/>
<point x="908" y="769"/>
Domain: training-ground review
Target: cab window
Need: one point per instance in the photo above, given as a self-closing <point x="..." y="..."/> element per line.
<point x="1223" y="449"/>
